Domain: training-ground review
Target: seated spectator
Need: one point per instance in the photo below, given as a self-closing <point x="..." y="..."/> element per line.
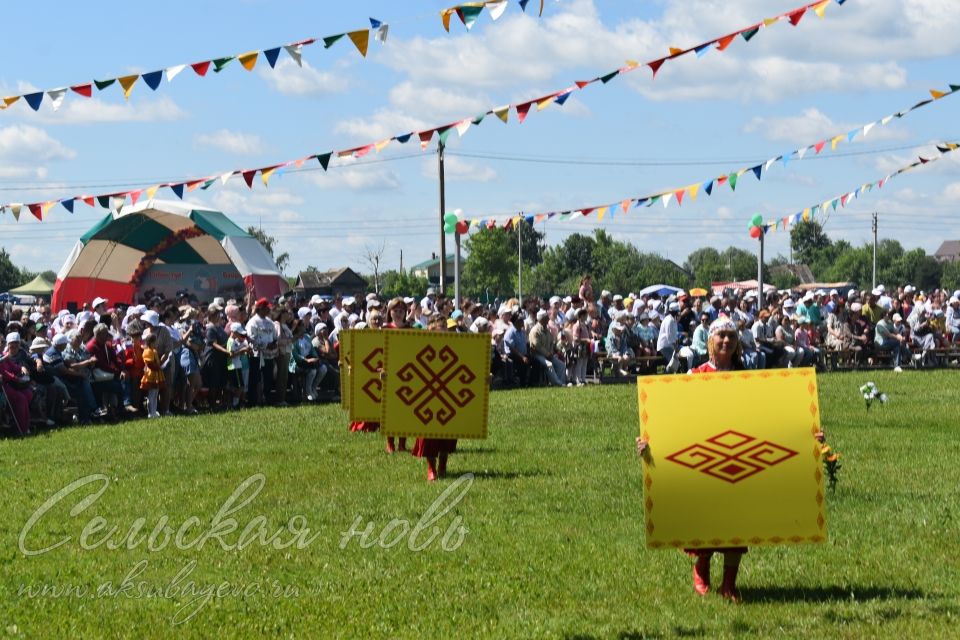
<point x="886" y="337"/>
<point x="839" y="336"/>
<point x="15" y="381"/>
<point x="545" y="351"/>
<point x="753" y="357"/>
<point x="952" y="321"/>
<point x="698" y="344"/>
<point x="785" y="333"/>
<point x="922" y="335"/>
<point x="50" y="393"/>
<point x="108" y="372"/>
<point x="802" y="339"/>
<point x="76" y="380"/>
<point x="619" y="351"/>
<point x="647" y="333"/>
<point x="515" y="341"/>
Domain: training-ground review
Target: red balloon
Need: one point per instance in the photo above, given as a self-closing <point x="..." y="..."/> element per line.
<point x="462" y="227"/>
<point x="755" y="232"/>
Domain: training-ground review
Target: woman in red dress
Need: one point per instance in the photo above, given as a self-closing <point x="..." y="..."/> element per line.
<point x="435" y="450"/>
<point x="373" y="322"/>
<point x="723" y="347"/>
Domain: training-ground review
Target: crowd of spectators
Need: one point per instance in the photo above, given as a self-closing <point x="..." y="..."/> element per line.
<point x="180" y="355"/>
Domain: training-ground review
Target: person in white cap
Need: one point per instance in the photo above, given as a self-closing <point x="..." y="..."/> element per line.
<point x="99" y="307"/>
<point x="952" y="320"/>
<point x="668" y="336"/>
<point x="922" y="335"/>
<point x="887" y="338"/>
<point x="15" y="378"/>
<point x="545" y="352"/>
<point x="883" y="299"/>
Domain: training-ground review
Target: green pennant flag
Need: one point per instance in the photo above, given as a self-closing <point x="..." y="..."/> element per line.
<point x="749" y="33"/>
<point x="955" y="87"/>
<point x="329" y="40"/>
<point x="610" y="76"/>
<point x="834" y="204"/>
<point x="324" y="159"/>
<point x="220" y="63"/>
<point x="479" y="118"/>
<point x="104" y="201"/>
<point x="732" y="179"/>
<point x="443" y="134"/>
<point x="206" y="185"/>
<point x="103" y="84"/>
<point x="469" y="14"/>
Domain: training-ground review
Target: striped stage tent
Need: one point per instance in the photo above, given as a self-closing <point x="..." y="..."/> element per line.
<point x="112" y="258"/>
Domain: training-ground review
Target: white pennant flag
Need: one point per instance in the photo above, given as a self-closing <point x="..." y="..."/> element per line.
<point x="296" y="52"/>
<point x="173" y="71"/>
<point x="225" y="177"/>
<point x="866" y="128"/>
<point x="56" y="97"/>
<point x="666" y="199"/>
<point x="381" y="33"/>
<point x="769" y="163"/>
<point x="496" y="9"/>
<point x="886" y="120"/>
<point x="462" y="127"/>
<point x="802" y="152"/>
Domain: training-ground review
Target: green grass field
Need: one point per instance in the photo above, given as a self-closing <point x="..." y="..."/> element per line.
<point x="555" y="541"/>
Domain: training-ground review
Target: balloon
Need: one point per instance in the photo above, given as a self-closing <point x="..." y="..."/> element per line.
<point x="757" y="220"/>
<point x="755" y="231"/>
<point x="449" y="228"/>
<point x="450" y="218"/>
<point x="462" y="227"/>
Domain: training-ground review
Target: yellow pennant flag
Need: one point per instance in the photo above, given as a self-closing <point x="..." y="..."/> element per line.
<point x="543" y="104"/>
<point x="821" y="8"/>
<point x="248" y="60"/>
<point x="834" y="141"/>
<point x="753" y="478"/>
<point x="127" y="83"/>
<point x="380" y="145"/>
<point x="152" y="191"/>
<point x="436" y="384"/>
<point x="602" y="211"/>
<point x="266" y="173"/>
<point x="771" y="21"/>
<point x="46" y="206"/>
<point x="9" y="101"/>
<point x="360" y="40"/>
<point x="693" y="190"/>
<point x="503" y="112"/>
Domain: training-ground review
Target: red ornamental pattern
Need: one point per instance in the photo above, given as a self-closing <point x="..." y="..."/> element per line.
<point x="436" y="384"/>
<point x="732" y="456"/>
<point x="151" y="256"/>
<point x="374" y="363"/>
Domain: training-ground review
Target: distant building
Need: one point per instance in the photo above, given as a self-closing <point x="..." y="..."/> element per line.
<point x="949" y="251"/>
<point x="430" y="269"/>
<point x="337" y="282"/>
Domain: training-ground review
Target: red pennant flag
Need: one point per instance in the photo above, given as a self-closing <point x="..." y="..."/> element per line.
<point x="679" y="196"/>
<point x="582" y="83"/>
<point x="86" y="90"/>
<point x="587" y="211"/>
<point x="796" y="16"/>
<point x="135" y="195"/>
<point x="819" y="146"/>
<point x="89" y="200"/>
<point x="425" y="138"/>
<point x="725" y="41"/>
<point x="201" y="67"/>
<point x="655" y="65"/>
<point x="36" y="210"/>
<point x="721" y="180"/>
<point x="522" y="110"/>
<point x="843" y="200"/>
<point x="248" y="177"/>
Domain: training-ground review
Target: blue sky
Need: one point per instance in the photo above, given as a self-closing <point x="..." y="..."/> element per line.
<point x="789" y="86"/>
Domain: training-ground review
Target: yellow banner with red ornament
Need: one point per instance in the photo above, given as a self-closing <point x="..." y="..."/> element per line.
<point x="437" y="384"/>
<point x="366" y="363"/>
<point x="732" y="459"/>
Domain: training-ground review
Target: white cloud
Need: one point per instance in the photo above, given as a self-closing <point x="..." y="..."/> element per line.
<point x="359" y="179"/>
<point x="382" y="124"/>
<point x="952" y="192"/>
<point x="812" y="125"/>
<point x="289" y="79"/>
<point x="231" y="141"/>
<point x="79" y="110"/>
<point x="244" y="205"/>
<point x="21" y="140"/>
<point x="457" y="170"/>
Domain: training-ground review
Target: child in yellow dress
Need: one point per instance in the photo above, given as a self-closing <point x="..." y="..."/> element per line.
<point x="153" y="379"/>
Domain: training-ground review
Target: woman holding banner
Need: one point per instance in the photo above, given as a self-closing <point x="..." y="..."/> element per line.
<point x="435" y="450"/>
<point x="723" y="348"/>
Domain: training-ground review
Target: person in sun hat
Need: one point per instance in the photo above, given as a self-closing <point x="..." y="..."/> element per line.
<point x="263" y="336"/>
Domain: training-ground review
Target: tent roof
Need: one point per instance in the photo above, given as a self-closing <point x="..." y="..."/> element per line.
<point x="36" y="287"/>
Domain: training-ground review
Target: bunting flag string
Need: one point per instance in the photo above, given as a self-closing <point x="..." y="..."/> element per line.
<point x="831" y="204"/>
<point x="152" y="79"/>
<point x="116" y="200"/>
<point x="468" y="12"/>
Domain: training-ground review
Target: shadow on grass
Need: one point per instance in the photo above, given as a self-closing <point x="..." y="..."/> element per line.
<point x="761" y="595"/>
<point x="623" y="635"/>
<point x="504" y="475"/>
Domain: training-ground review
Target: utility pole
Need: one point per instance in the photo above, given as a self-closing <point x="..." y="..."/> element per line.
<point x="520" y="260"/>
<point x="401" y="260"/>
<point x="443" y="208"/>
<point x="760" y="296"/>
<point x="874" y="250"/>
<point x="456" y="269"/>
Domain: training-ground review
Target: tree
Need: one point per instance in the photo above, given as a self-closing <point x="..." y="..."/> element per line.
<point x="709" y="265"/>
<point x="10" y="275"/>
<point x="491" y="264"/>
<point x="269" y="243"/>
<point x="373" y="257"/>
<point x="808" y="241"/>
<point x="401" y="284"/>
<point x="950" y="280"/>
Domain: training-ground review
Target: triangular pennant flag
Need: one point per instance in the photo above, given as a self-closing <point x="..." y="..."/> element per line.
<point x="34" y="99"/>
<point x="867" y="127"/>
<point x="444" y="133"/>
<point x="674" y="52"/>
<point x="220" y="63"/>
<point x="502" y="112"/>
<point x="206" y="185"/>
<point x="88" y="199"/>
<point x="153" y="79"/>
<point x="801" y="152"/>
<point x="36" y="211"/>
<point x="702" y="49"/>
<point x="193" y="184"/>
<point x="496" y="8"/>
<point x="404" y="138"/>
<point x="103" y="201"/>
<point x="843" y="200"/>
<point x="295" y="51"/>
<point x="381" y="34"/>
<point x="135" y="195"/>
<point x="271" y="55"/>
<point x="328" y="41"/>
<point x="796" y="16"/>
<point x="379" y="146"/>
<point x="769" y="22"/>
<point x="174" y="70"/>
<point x="445" y="18"/>
<point x="886" y="120"/>
<point x="468" y="14"/>
<point x="757" y="170"/>
<point x="324" y="159"/>
<point x="462" y="127"/>
<point x="226" y="176"/>
<point x="248" y="177"/>
<point x="103" y="84"/>
<point x="769" y="163"/>
<point x="117" y="201"/>
<point x="610" y="76"/>
<point x="9" y="101"/>
<point x="666" y="199"/>
<point x="602" y="211"/>
<point x="522" y="110"/>
<point x="821" y="8"/>
<point x="248" y="60"/>
<point x="693" y="190"/>
<point x="266" y="173"/>
<point x="523" y="5"/>
<point x="15" y="210"/>
<point x="708" y="187"/>
<point x="67" y="204"/>
<point x="359" y="152"/>
<point x="543" y="103"/>
<point x="721" y="180"/>
<point x="937" y="94"/>
<point x="562" y="97"/>
<point x="583" y="83"/>
<point x="786" y="158"/>
<point x="178" y="189"/>
<point x="834" y="141"/>
<point x="954" y="87"/>
<point x="425" y="138"/>
<point x="654" y="66"/>
<point x="200" y="68"/>
<point x="678" y="194"/>
<point x="625" y="204"/>
<point x="85" y="90"/>
<point x="478" y="119"/>
<point x="360" y="40"/>
<point x="127" y="83"/>
<point x="819" y="146"/>
<point x="749" y="33"/>
<point x="733" y="181"/>
<point x="725" y="41"/>
<point x="834" y="203"/>
<point x="56" y="97"/>
<point x="852" y="134"/>
<point x="152" y="191"/>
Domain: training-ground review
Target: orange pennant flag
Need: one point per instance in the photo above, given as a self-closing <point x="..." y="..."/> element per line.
<point x="625" y="204"/>
<point x="679" y="196"/>
<point x="360" y="40"/>
<point x="445" y="17"/>
<point x="127" y="83"/>
<point x="248" y="60"/>
<point x="9" y="101"/>
<point x="937" y="94"/>
<point x="725" y="41"/>
<point x="675" y="52"/>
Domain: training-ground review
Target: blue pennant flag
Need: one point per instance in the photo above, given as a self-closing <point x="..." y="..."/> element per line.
<point x="374" y="23"/>
<point x="178" y="189"/>
<point x="757" y="170"/>
<point x="708" y="187"/>
<point x="34" y="99"/>
<point x="67" y="204"/>
<point x="404" y="138"/>
<point x="153" y="79"/>
<point x="271" y="56"/>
